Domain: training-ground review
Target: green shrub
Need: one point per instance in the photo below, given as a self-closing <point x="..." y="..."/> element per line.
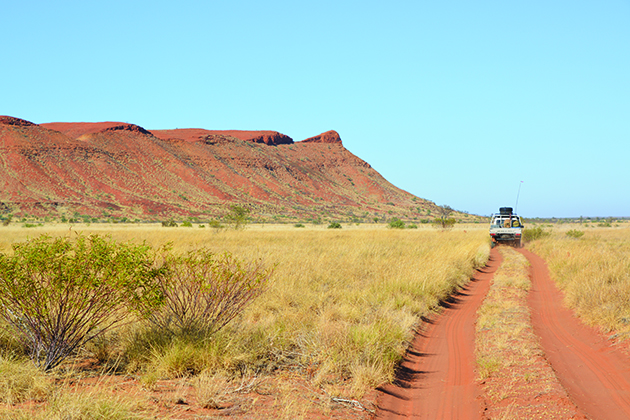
<point x="574" y="233"/>
<point x="531" y="234"/>
<point x="58" y="294"/>
<point x="396" y="223"/>
<point x="169" y="223"/>
<point x="412" y="226"/>
<point x="444" y="222"/>
<point x="187" y="224"/>
<point x="298" y="225"/>
<point x="334" y="225"/>
<point x="215" y="224"/>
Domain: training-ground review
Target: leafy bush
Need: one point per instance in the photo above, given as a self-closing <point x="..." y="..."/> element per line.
<point x="59" y="294"/>
<point x="444" y="222"/>
<point x="298" y="225"/>
<point x="169" y="223"/>
<point x="202" y="292"/>
<point x="334" y="225"/>
<point x="187" y="224"/>
<point x="531" y="234"/>
<point x="412" y="226"/>
<point x="574" y="233"/>
<point x="215" y="224"/>
<point x="396" y="223"/>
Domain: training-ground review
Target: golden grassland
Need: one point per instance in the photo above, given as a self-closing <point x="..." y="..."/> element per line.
<point x="512" y="370"/>
<point x="340" y="309"/>
<point x="593" y="270"/>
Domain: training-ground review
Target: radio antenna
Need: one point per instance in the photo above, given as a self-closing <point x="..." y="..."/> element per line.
<point x="517" y="195"/>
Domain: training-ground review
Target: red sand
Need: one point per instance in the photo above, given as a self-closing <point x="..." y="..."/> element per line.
<point x="437" y="379"/>
<point x="596" y="375"/>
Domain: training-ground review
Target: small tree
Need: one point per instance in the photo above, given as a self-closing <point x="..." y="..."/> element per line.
<point x="58" y="294"/>
<point x="443" y="218"/>
<point x="238" y="216"/>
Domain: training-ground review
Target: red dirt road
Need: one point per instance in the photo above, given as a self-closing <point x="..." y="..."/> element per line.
<point x="596" y="375"/>
<point x="437" y="380"/>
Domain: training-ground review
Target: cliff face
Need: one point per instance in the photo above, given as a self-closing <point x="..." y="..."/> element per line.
<point x="123" y="169"/>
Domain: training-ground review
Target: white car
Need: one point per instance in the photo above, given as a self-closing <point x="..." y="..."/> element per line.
<point x="506" y="227"/>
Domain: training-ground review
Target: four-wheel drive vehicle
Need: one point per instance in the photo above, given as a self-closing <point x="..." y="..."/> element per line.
<point x="506" y="227"/>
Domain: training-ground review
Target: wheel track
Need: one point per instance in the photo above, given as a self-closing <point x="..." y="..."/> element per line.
<point x="596" y="376"/>
<point x="436" y="379"/>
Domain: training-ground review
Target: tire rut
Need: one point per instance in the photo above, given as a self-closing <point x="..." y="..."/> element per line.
<point x="596" y="375"/>
<point x="436" y="379"/>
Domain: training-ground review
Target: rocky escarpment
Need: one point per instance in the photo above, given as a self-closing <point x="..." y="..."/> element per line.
<point x="6" y="120"/>
<point x="270" y="138"/>
<point x="121" y="168"/>
<point x="329" y="137"/>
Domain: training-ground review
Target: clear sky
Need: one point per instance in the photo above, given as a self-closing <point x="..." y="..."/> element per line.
<point x="454" y="101"/>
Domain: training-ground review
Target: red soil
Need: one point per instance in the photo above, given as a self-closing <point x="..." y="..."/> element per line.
<point x="437" y="380"/>
<point x="596" y="375"/>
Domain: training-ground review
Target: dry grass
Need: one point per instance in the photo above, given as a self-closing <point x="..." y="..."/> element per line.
<point x="504" y="319"/>
<point x="594" y="273"/>
<point x="20" y="381"/>
<point x="340" y="309"/>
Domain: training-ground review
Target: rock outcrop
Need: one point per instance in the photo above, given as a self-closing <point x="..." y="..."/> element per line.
<point x="330" y="137"/>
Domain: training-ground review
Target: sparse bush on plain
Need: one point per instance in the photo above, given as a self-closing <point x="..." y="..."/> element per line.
<point x="298" y="225"/>
<point x="334" y="225"/>
<point x="216" y="225"/>
<point x="57" y="294"/>
<point x="202" y="292"/>
<point x="169" y="223"/>
<point x="444" y="222"/>
<point x="396" y="223"/>
<point x="531" y="234"/>
<point x="238" y="216"/>
<point x="574" y="233"/>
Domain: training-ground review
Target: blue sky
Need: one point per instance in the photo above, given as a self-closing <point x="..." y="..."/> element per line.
<point x="454" y="101"/>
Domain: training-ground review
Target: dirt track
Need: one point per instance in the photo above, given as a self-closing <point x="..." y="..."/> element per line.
<point x="437" y="380"/>
<point x="596" y="375"/>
